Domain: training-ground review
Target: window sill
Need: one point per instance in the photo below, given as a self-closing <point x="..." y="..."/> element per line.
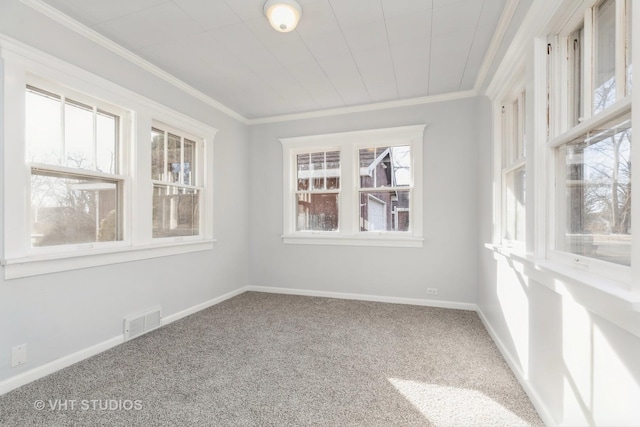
<point x="508" y="250"/>
<point x="54" y="263"/>
<point x="382" y="239"/>
<point x="606" y="297"/>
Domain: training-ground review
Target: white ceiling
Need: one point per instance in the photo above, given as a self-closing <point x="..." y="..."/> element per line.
<point x="343" y="52"/>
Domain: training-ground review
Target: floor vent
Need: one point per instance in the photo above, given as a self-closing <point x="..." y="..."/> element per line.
<point x="142" y="323"/>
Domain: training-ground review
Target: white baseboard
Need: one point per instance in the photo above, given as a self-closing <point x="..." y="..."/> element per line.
<point x="363" y="297"/>
<point x="58" y="364"/>
<point x="199" y="307"/>
<point x="65" y="361"/>
<point x="537" y="402"/>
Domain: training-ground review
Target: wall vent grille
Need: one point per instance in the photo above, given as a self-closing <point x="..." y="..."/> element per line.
<point x="142" y="323"/>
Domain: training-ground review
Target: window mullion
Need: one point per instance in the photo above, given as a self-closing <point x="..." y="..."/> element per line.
<point x="348" y="197"/>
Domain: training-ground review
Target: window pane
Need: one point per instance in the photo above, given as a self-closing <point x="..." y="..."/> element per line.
<point x="73" y="210"/>
<point x="515" y="131"/>
<point x="576" y="58"/>
<point x="317" y="212"/>
<point x="107" y="136"/>
<point x="401" y="161"/>
<point x="605" y="56"/>
<point x="317" y="171"/>
<point x="157" y="155"/>
<point x="78" y="136"/>
<point x="175" y="211"/>
<point x="385" y="167"/>
<point x="173" y="158"/>
<point x="384" y="211"/>
<point x="598" y="194"/>
<point x="515" y="205"/>
<point x="506" y="138"/>
<point x="367" y="167"/>
<point x="303" y="171"/>
<point x="43" y="129"/>
<point x="333" y="170"/>
<point x="188" y="166"/>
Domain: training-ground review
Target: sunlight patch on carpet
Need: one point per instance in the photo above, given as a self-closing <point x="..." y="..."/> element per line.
<point x="451" y="406"/>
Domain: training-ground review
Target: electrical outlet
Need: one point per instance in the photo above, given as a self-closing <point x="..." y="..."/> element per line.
<point x="18" y="355"/>
<point x="432" y="291"/>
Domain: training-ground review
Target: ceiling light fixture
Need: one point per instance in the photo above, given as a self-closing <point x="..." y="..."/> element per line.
<point x="283" y="15"/>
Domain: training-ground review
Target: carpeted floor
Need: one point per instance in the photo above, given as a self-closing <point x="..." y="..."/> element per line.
<point x="278" y="360"/>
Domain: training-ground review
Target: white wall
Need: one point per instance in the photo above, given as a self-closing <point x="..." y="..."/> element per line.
<point x="577" y="353"/>
<point x="448" y="259"/>
<point x="59" y="314"/>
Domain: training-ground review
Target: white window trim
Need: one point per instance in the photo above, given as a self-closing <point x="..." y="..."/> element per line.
<point x="199" y="178"/>
<point x="20" y="63"/>
<point x="562" y="132"/>
<point x="349" y="143"/>
<point x="505" y="160"/>
<point x="512" y="90"/>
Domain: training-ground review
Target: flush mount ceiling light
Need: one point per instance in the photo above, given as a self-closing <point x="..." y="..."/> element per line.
<point x="283" y="15"/>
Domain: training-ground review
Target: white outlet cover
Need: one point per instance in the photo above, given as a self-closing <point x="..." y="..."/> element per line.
<point x="18" y="355"/>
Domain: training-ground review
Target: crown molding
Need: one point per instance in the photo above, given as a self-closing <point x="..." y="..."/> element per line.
<point x="365" y="108"/>
<point x="126" y="54"/>
<point x="535" y="24"/>
<point x="503" y="24"/>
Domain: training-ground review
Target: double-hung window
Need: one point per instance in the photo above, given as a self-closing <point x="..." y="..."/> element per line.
<point x="73" y="147"/>
<point x="513" y="168"/>
<point x="590" y="138"/>
<point x="354" y="188"/>
<point x="177" y="182"/>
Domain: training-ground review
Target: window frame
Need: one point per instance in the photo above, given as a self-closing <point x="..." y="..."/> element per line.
<point x="512" y="157"/>
<point x="310" y="190"/>
<point x="513" y="89"/>
<point x="121" y="175"/>
<point x="349" y="144"/>
<point x="22" y="65"/>
<point x="562" y="130"/>
<point x="197" y="178"/>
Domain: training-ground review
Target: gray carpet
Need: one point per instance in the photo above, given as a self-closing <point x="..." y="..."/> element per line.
<point x="278" y="360"/>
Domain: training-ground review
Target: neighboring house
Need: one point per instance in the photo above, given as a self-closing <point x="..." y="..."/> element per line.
<point x="382" y="210"/>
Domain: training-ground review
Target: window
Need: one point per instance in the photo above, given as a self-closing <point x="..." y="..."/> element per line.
<point x="176" y="179"/>
<point x="514" y="168"/>
<point x="592" y="147"/>
<point x="385" y="188"/>
<point x="357" y="188"/>
<point x="72" y="152"/>
<point x="89" y="185"/>
<point x="318" y="191"/>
